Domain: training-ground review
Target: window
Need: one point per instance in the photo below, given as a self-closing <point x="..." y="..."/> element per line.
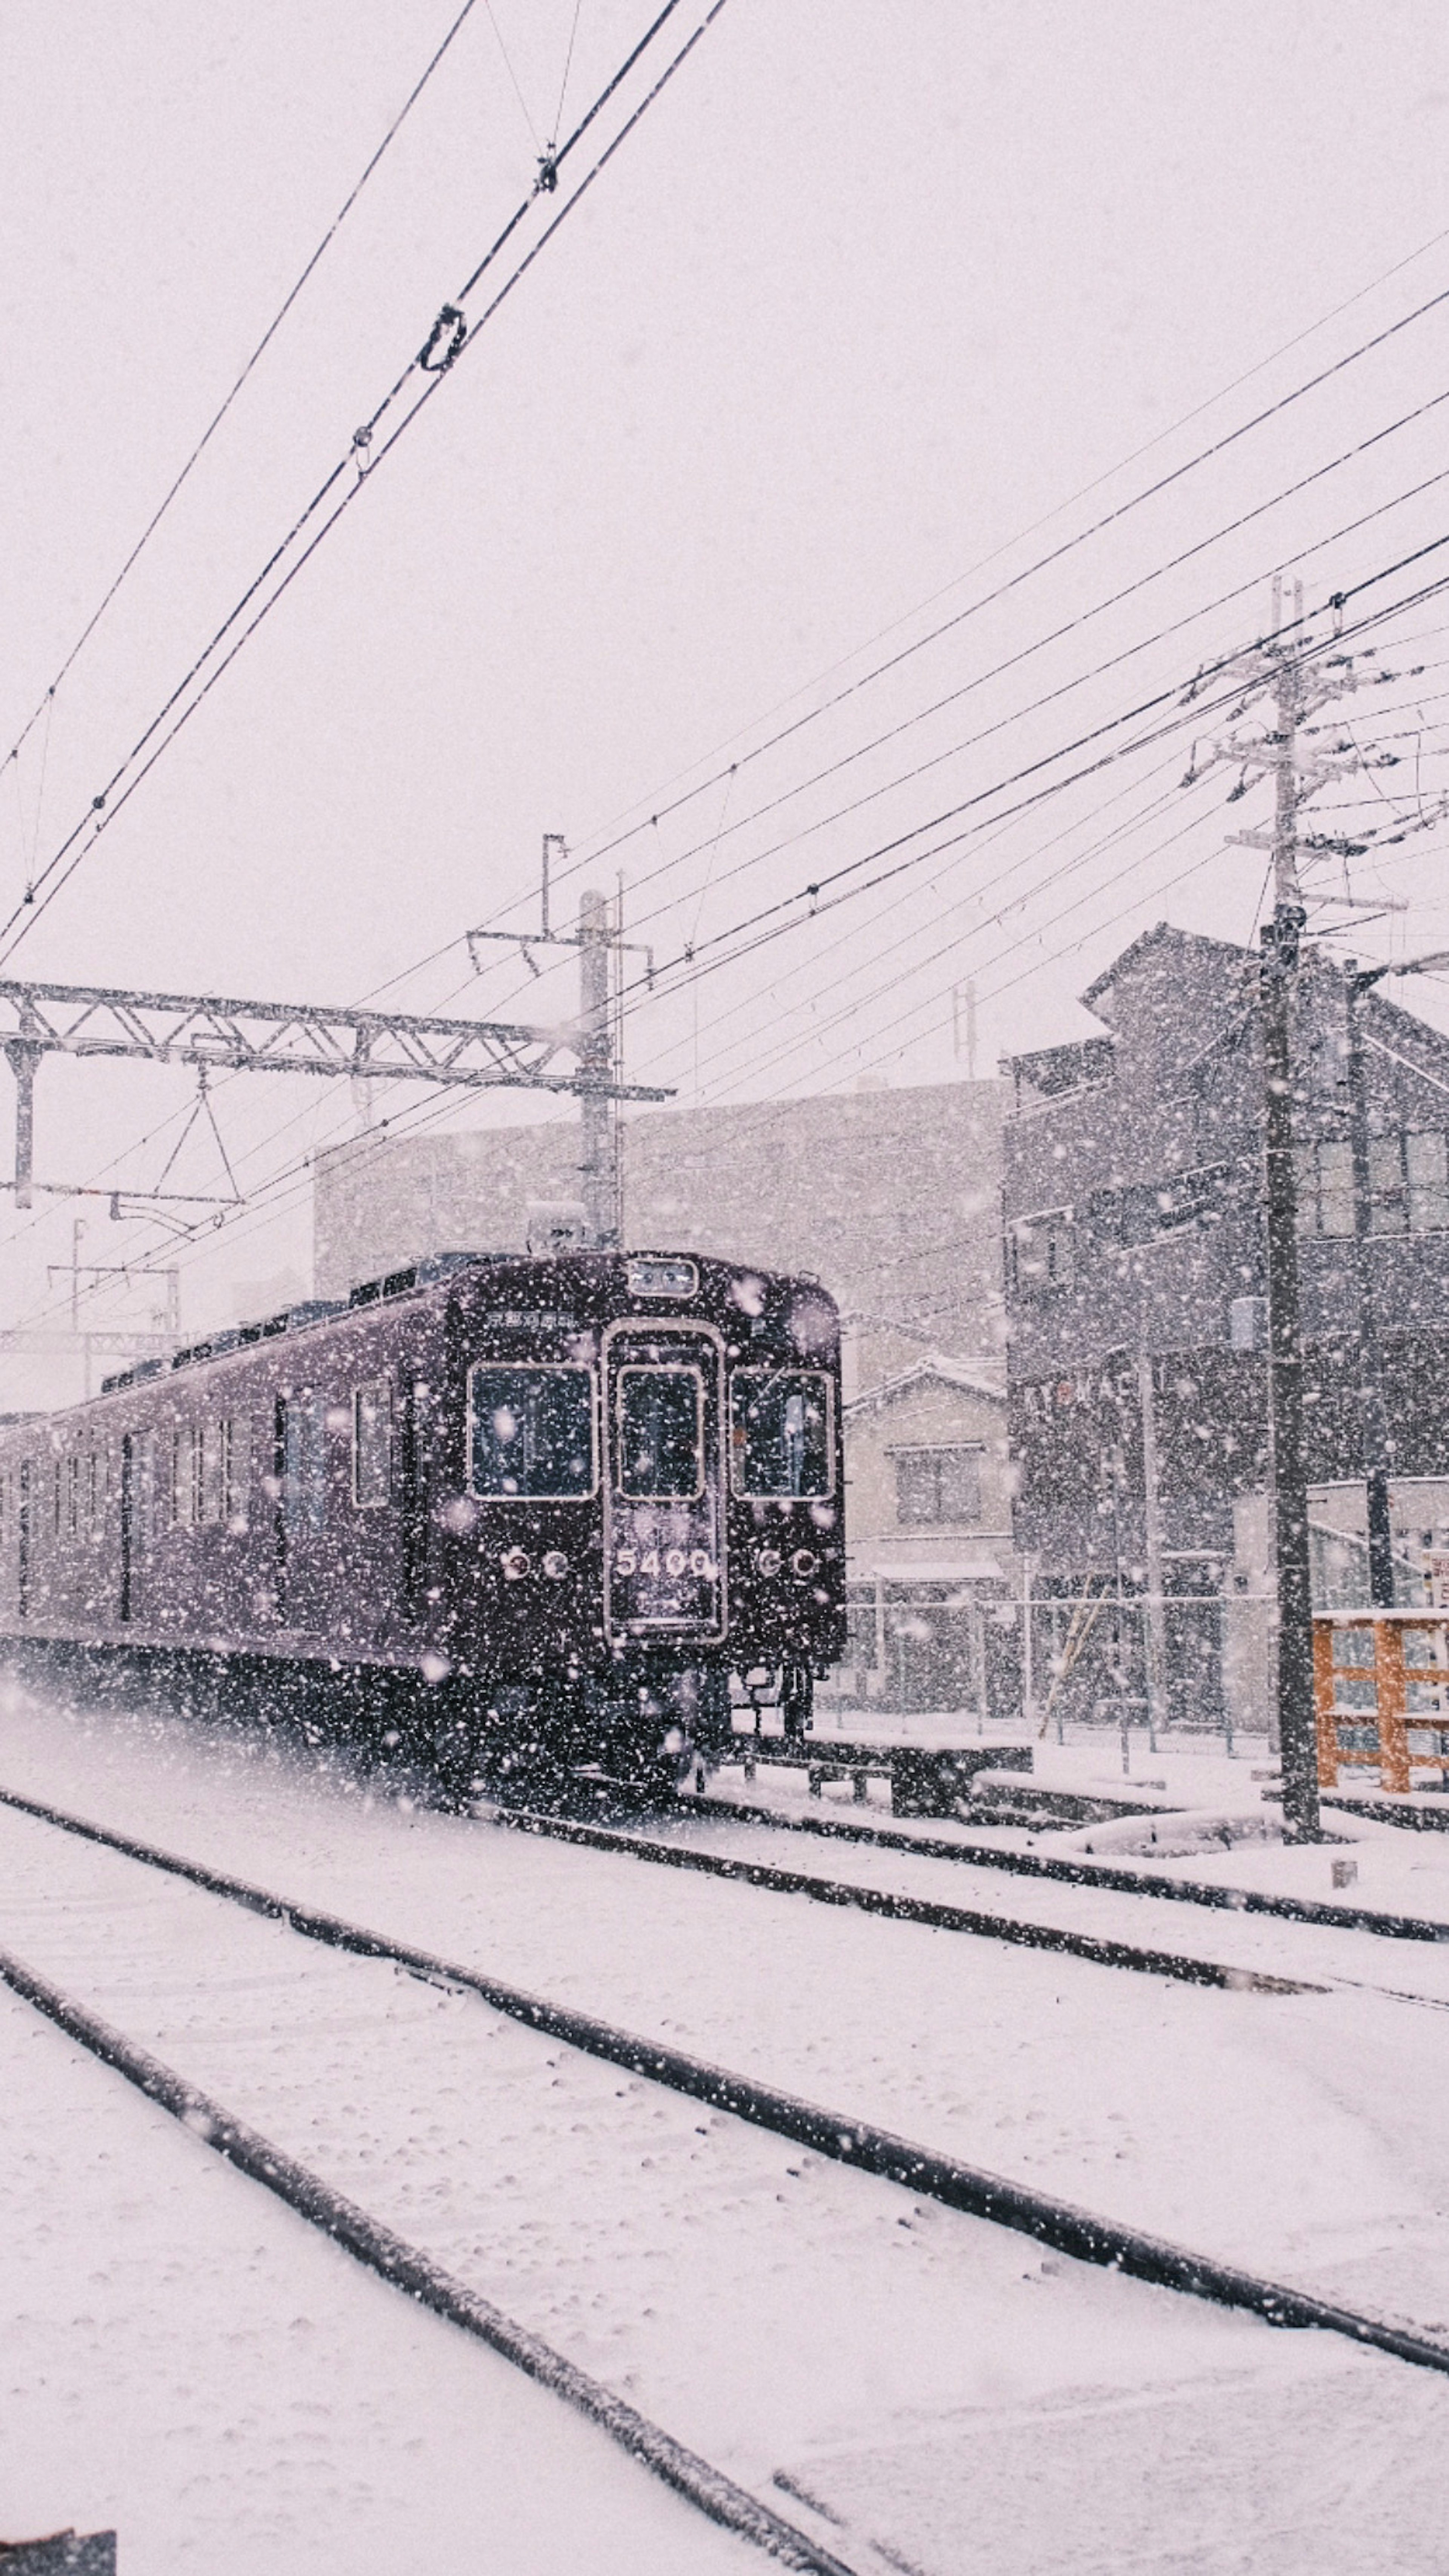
<point x="304" y="1463"/>
<point x="1325" y="1187"/>
<point x="237" y="1469"/>
<point x="1042" y="1254"/>
<point x="72" y="1496"/>
<point x="531" y="1432"/>
<point x="780" y="1432"/>
<point x="942" y="1485"/>
<point x="1426" y="1158"/>
<point x="661" y="1424"/>
<point x="183" y="1478"/>
<point x="372" y="1445"/>
<point x="211" y="1472"/>
<point x="1408" y="1178"/>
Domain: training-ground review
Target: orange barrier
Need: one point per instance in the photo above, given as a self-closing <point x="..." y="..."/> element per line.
<point x="1381" y="1693"/>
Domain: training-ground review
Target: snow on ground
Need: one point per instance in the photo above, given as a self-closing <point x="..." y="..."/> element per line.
<point x="188" y="2363"/>
<point x="937" y="2383"/>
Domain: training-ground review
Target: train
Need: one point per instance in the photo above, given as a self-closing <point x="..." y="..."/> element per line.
<point x="540" y="1524"/>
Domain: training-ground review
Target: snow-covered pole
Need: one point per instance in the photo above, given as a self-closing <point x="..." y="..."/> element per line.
<point x="596" y="1070"/>
<point x="1278" y="993"/>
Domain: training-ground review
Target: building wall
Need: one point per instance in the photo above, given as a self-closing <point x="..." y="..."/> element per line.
<point x="1132" y="1197"/>
<point x="891" y="1197"/>
<point x="932" y="1604"/>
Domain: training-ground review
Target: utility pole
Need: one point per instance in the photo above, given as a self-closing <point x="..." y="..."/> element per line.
<point x="598" y="1040"/>
<point x="599" y="1157"/>
<point x="1278" y="996"/>
<point x="1373" y="1408"/>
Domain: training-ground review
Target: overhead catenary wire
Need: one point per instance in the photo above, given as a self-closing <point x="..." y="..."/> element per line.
<point x="1042" y="563"/>
<point x="298" y="1175"/>
<point x="248" y="369"/>
<point x="192" y="691"/>
<point x="1196" y="713"/>
<point x="1374" y="618"/>
<point x="1268" y="411"/>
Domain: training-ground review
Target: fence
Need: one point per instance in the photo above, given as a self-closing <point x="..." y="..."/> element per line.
<point x="1381" y="1694"/>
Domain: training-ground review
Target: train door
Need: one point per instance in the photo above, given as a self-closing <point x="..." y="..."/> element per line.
<point x="664" y="1575"/>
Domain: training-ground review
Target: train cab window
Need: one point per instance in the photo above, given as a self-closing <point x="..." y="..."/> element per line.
<point x="372" y="1445"/>
<point x="531" y="1432"/>
<point x="780" y="1433"/>
<point x="661" y="1425"/>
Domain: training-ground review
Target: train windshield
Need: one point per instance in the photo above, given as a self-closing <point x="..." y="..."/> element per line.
<point x="780" y="1432"/>
<point x="532" y="1432"/>
<point x="661" y="1424"/>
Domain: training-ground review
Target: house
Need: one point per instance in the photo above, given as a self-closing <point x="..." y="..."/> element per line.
<point x="930" y="1585"/>
<point x="1135" y="1295"/>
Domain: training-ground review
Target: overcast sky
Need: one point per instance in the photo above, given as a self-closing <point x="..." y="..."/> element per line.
<point x="868" y="296"/>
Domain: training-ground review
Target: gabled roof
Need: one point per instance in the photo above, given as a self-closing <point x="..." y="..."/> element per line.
<point x="1163" y="935"/>
<point x="934" y="1369"/>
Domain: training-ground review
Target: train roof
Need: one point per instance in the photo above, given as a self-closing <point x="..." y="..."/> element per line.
<point x="427" y="1273"/>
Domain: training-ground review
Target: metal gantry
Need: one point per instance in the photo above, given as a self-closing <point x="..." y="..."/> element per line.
<point x="214" y="1032"/>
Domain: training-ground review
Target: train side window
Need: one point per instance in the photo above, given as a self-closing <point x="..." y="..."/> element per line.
<point x="372" y="1445"/>
<point x="780" y="1433"/>
<point x="211" y="1478"/>
<point x="146" y="1505"/>
<point x="531" y="1432"/>
<point x="661" y="1432"/>
<point x="237" y="1470"/>
<point x="72" y="1495"/>
<point x="183" y="1477"/>
<point x="305" y="1467"/>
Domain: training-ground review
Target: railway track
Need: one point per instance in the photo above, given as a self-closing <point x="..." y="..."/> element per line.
<point x="839" y="2137"/>
<point x="896" y="1907"/>
<point x="409" y="2269"/>
<point x="1066" y="1872"/>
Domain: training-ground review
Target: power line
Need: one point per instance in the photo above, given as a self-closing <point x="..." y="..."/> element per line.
<point x="270" y="333"/>
<point x="434" y="361"/>
<point x="1055" y="555"/>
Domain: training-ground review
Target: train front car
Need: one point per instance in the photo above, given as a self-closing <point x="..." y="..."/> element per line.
<point x="653" y="1500"/>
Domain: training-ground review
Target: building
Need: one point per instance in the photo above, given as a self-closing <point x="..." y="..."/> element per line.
<point x="1135" y="1296"/>
<point x="892" y="1198"/>
<point x="931" y="1588"/>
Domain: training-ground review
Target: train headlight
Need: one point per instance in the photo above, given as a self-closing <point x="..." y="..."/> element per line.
<point x="556" y="1564"/>
<point x="804" y="1562"/>
<point x="768" y="1560"/>
<point x="515" y="1563"/>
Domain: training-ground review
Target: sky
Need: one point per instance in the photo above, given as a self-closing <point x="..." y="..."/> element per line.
<point x="871" y="311"/>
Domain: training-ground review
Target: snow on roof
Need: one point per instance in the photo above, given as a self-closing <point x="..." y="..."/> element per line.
<point x="971" y="1375"/>
<point x="1164" y="934"/>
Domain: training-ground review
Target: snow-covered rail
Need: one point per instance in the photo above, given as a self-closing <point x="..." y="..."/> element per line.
<point x="1068" y="1872"/>
<point x="411" y="2270"/>
<point x="837" y="2136"/>
<point x="897" y="1907"/>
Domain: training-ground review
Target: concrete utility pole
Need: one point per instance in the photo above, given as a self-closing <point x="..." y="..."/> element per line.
<point x="1373" y="1407"/>
<point x="598" y="1162"/>
<point x="1278" y="996"/>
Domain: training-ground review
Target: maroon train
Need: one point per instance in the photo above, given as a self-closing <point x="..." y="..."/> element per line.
<point x="521" y="1518"/>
